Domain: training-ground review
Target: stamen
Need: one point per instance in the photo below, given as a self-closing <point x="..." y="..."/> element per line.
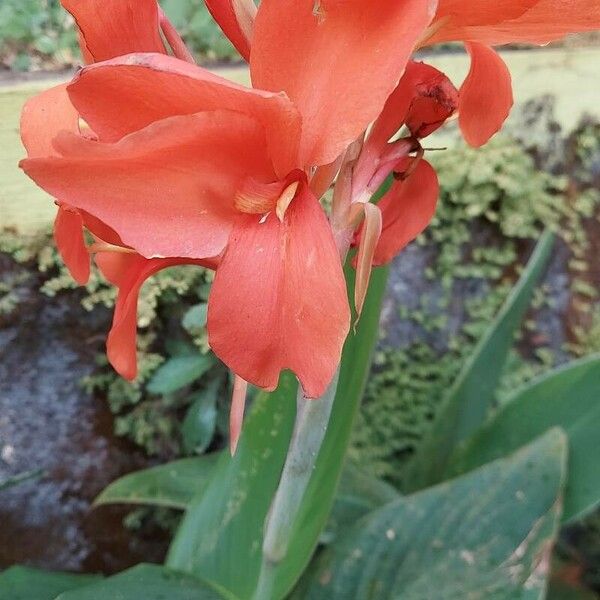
<point x="105" y="247"/>
<point x="285" y="199"/>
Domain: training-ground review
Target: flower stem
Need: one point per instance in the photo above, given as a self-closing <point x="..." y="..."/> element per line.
<point x="312" y="419"/>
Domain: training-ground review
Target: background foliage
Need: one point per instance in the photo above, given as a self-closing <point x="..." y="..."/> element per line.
<point x="36" y="34"/>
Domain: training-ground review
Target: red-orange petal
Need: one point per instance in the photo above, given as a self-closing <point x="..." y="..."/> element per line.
<point x="124" y="95"/>
<point x="167" y="190"/>
<point x="225" y="14"/>
<point x="337" y="61"/>
<point x="43" y="116"/>
<point x="279" y="299"/>
<point x="129" y="272"/>
<point x="407" y="210"/>
<point x="486" y="95"/>
<point x="495" y="22"/>
<point x="68" y="234"/>
<point x="110" y="28"/>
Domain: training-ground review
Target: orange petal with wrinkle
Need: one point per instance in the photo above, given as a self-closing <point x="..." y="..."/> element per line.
<point x="279" y="298"/>
<point x="338" y="61"/>
<point x="167" y="190"/>
<point x="124" y="95"/>
<point x="486" y="95"/>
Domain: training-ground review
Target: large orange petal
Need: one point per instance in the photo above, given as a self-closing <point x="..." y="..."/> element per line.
<point x="486" y="95"/>
<point x="337" y="60"/>
<point x="123" y="95"/>
<point x="167" y="190"/>
<point x="407" y="210"/>
<point x="110" y="28"/>
<point x="43" y="116"/>
<point x="279" y="299"/>
<point x="495" y="22"/>
<point x="235" y="19"/>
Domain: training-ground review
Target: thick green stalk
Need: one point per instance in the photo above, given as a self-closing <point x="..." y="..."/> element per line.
<point x="312" y="419"/>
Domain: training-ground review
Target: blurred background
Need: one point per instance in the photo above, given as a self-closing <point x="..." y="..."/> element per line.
<point x="63" y="411"/>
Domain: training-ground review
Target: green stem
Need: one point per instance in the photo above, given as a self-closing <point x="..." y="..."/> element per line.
<point x="312" y="419"/>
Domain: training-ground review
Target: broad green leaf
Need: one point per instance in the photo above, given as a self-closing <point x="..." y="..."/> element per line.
<point x="147" y="582"/>
<point x="179" y="371"/>
<point x="24" y="583"/>
<point x="172" y="485"/>
<point x="484" y="536"/>
<point x="20" y="478"/>
<point x="221" y="536"/>
<point x="198" y="427"/>
<point x="358" y="494"/>
<point x="194" y="320"/>
<point x="470" y="398"/>
<point x="569" y="398"/>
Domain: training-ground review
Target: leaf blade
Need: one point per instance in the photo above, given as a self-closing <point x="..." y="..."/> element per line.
<point x="468" y="401"/>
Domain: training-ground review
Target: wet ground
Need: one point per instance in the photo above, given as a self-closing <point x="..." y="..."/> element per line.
<point x="47" y="421"/>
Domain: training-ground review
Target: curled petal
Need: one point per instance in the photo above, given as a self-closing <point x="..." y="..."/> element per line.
<point x="167" y="190"/>
<point x="338" y="61"/>
<point x="68" y="234"/>
<point x="423" y="100"/>
<point x="43" y="117"/>
<point x="371" y="232"/>
<point x="110" y="28"/>
<point x="124" y="95"/>
<point x="236" y="19"/>
<point x="129" y="272"/>
<point x="279" y="298"/>
<point x="486" y="95"/>
<point x="407" y="209"/>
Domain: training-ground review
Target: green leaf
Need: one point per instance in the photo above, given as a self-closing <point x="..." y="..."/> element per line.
<point x="194" y="320"/>
<point x="172" y="485"/>
<point x="198" y="427"/>
<point x="568" y="398"/>
<point x="20" y="478"/>
<point x="178" y="372"/>
<point x="147" y="582"/>
<point x="470" y="398"/>
<point x="221" y="536"/>
<point x="485" y="536"/>
<point x="358" y="494"/>
<point x="24" y="583"/>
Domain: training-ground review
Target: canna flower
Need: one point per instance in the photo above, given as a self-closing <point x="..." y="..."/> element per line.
<point x="486" y="94"/>
<point x="186" y="166"/>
